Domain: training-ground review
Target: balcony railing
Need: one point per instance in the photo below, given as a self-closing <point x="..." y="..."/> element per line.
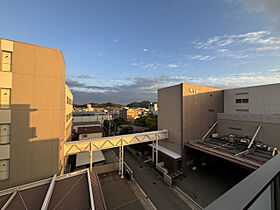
<point x="260" y="190"/>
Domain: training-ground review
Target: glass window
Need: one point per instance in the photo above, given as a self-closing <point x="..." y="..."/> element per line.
<point x="4" y="98"/>
<point x="6" y="61"/>
<point x="4" y="134"/>
<point x="4" y="169"/>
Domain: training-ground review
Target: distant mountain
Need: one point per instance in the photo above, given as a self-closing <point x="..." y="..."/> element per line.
<point x="103" y="105"/>
<point x="143" y="104"/>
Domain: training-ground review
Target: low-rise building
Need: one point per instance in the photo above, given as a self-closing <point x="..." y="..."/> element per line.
<point x="91" y="117"/>
<point x="130" y="114"/>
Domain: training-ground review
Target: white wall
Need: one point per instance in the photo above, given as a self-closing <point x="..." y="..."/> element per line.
<point x="263" y="99"/>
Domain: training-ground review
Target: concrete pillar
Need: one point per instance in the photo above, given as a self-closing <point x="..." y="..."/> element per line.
<point x="156" y="149"/>
<point x="153" y="152"/>
<point x="120" y="158"/>
<point x="122" y="161"/>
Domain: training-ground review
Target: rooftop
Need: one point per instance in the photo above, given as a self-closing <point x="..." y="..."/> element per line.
<point x="90" y="129"/>
<point x="78" y="190"/>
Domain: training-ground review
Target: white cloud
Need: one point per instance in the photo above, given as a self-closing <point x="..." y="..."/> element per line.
<point x="247" y="38"/>
<point x="146" y="66"/>
<point x="202" y="57"/>
<point x="172" y="66"/>
<point x="238" y="46"/>
<point x="145" y="50"/>
<point x="116" y="40"/>
<point x="100" y="54"/>
<point x="268" y="48"/>
<point x="275" y="70"/>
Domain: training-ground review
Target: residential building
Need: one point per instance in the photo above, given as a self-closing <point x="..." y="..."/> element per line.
<point x="35" y="112"/>
<point x="91" y="117"/>
<point x="154" y="108"/>
<point x="130" y="114"/>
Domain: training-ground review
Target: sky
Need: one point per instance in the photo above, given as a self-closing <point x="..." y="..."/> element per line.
<point x="124" y="50"/>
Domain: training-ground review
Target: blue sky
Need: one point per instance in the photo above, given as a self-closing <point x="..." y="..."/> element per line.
<point x="124" y="50"/>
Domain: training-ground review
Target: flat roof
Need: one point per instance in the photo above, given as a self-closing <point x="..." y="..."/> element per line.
<point x="168" y="152"/>
<point x="251" y="158"/>
<point x="91" y="112"/>
<point x="90" y="129"/>
<point x="86" y="123"/>
<point x="83" y="158"/>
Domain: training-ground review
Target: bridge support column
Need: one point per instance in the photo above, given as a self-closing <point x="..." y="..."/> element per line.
<point x="122" y="160"/>
<point x="120" y="157"/>
<point x="90" y="157"/>
<point x="153" y="152"/>
<point x="156" y="149"/>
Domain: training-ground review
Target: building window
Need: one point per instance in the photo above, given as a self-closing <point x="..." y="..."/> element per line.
<point x="244" y="93"/>
<point x="242" y="100"/>
<point x="4" y="169"/>
<point x="4" y="134"/>
<point x="6" y="61"/>
<point x="5" y="98"/>
<point x="242" y="110"/>
<point x="211" y="110"/>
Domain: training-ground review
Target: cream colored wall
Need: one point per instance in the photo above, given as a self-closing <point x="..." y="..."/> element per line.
<point x="169" y="116"/>
<point x="68" y="110"/>
<point x="197" y="119"/>
<point x="37" y="113"/>
<point x="197" y="103"/>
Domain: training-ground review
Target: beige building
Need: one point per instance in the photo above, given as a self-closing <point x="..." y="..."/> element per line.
<point x="129" y="114"/>
<point x="187" y="111"/>
<point x="35" y="112"/>
<point x="247" y="118"/>
<point x="247" y="108"/>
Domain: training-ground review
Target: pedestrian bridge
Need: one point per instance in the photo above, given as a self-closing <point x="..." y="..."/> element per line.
<point x="96" y="144"/>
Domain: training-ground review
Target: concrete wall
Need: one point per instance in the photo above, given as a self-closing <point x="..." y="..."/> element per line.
<point x="263" y="99"/>
<point x="37" y="113"/>
<point x="268" y="134"/>
<point x="201" y="105"/>
<point x="169" y="116"/>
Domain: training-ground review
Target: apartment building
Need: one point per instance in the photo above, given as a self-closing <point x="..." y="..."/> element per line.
<point x="129" y="114"/>
<point x="35" y="112"/>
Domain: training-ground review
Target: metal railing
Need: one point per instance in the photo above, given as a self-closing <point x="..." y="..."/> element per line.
<point x="260" y="190"/>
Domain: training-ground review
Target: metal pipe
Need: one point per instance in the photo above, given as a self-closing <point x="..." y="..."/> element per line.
<point x="255" y="135"/>
<point x="49" y="194"/>
<point x="90" y="157"/>
<point x="9" y="201"/>
<point x="213" y="126"/>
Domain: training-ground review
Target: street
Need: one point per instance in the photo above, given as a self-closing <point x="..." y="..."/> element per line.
<point x="159" y="192"/>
